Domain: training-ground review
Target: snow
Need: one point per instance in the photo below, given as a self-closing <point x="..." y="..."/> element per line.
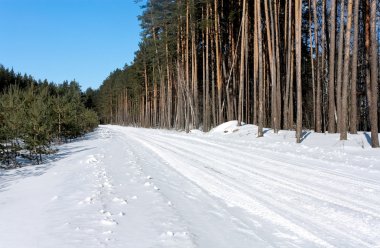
<point x="134" y="187"/>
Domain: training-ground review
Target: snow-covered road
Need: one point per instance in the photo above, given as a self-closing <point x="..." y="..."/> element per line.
<point x="131" y="187"/>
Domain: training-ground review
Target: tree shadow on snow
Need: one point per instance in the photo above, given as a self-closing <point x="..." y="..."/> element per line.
<point x="368" y="138"/>
<point x="11" y="176"/>
<point x="304" y="135"/>
<point x="265" y="131"/>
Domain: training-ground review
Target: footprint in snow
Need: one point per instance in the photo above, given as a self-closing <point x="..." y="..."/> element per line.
<point x="170" y="234"/>
<point x="88" y="200"/>
<point x="119" y="200"/>
<point x="147" y="184"/>
<point x="108" y="214"/>
<point x="107" y="185"/>
<point x="108" y="222"/>
<point x="91" y="159"/>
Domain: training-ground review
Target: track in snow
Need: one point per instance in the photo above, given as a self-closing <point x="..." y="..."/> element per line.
<point x="136" y="187"/>
<point x="300" y="201"/>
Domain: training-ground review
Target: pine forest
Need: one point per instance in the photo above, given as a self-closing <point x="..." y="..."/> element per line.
<point x="35" y="115"/>
<point x="294" y="65"/>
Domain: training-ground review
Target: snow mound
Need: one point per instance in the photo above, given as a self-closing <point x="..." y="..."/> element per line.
<point x="226" y="128"/>
<point x="196" y="131"/>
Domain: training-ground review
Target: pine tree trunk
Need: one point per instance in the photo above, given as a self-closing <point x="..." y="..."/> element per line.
<point x="354" y="111"/>
<point x="339" y="68"/>
<point x="270" y="43"/>
<point x="278" y="65"/>
<point x="317" y="97"/>
<point x="194" y="61"/>
<point x="169" y="100"/>
<point x="312" y="59"/>
<point x="207" y="98"/>
<point x="298" y="24"/>
<point x="255" y="67"/>
<point x="187" y="73"/>
<point x="331" y="83"/>
<point x="242" y="62"/>
<point x="219" y="80"/>
<point x="155" y="99"/>
<point x="260" y="132"/>
<point x="343" y="120"/>
<point x="213" y="94"/>
<point x="288" y="66"/>
<point x="145" y="122"/>
<point x="373" y="108"/>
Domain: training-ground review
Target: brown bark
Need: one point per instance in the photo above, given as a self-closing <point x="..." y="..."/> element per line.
<point x="255" y="67"/>
<point x="270" y="44"/>
<point x="339" y="68"/>
<point x="312" y="58"/>
<point x="207" y="86"/>
<point x="170" y="88"/>
<point x="242" y="62"/>
<point x="278" y="66"/>
<point x="146" y="118"/>
<point x="288" y="66"/>
<point x="219" y="79"/>
<point x="194" y="60"/>
<point x="260" y="132"/>
<point x="343" y="120"/>
<point x="331" y="82"/>
<point x="298" y="24"/>
<point x="373" y="108"/>
<point x="354" y="111"/>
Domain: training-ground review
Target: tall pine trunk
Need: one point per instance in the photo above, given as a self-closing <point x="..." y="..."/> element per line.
<point x="354" y="111"/>
<point x="298" y="24"/>
<point x="242" y="62"/>
<point x="260" y="132"/>
<point x="339" y="67"/>
<point x="344" y="120"/>
<point x="374" y="91"/>
<point x="218" y="55"/>
<point x="331" y="82"/>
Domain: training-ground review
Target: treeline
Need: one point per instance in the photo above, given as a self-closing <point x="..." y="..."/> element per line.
<point x="278" y="63"/>
<point x="34" y="115"/>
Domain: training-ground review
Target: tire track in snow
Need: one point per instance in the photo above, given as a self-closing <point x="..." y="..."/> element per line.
<point x="290" y="173"/>
<point x="171" y="143"/>
<point x="248" y="185"/>
<point x="340" y="185"/>
<point x="300" y="162"/>
<point x="231" y="195"/>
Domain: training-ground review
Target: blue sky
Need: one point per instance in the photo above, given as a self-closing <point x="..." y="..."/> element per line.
<point x="68" y="39"/>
